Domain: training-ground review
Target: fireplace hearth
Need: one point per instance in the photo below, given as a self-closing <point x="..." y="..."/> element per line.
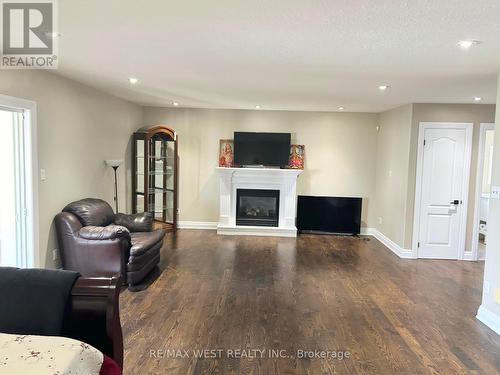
<point x="257" y="207"/>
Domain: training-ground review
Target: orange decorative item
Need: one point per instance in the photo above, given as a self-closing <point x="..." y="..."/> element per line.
<point x="296" y="157"/>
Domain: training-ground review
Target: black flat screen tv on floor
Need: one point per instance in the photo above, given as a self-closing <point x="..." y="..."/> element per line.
<point x="337" y="215"/>
<point x="262" y="149"/>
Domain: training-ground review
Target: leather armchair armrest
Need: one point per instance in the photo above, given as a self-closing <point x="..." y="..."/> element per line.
<point x="99" y="257"/>
<point x="109" y="232"/>
<point x="142" y="222"/>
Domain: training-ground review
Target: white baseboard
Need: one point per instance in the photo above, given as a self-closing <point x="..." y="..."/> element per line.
<point x="366" y="231"/>
<point x="197" y="225"/>
<point x="394" y="247"/>
<point x="489" y="319"/>
<point x="468" y="256"/>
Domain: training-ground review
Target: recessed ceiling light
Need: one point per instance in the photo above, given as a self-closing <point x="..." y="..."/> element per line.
<point x="383" y="87"/>
<point x="133" y="80"/>
<point x="341" y="108"/>
<point x="257" y="106"/>
<point x="175" y="104"/>
<point x="477" y="98"/>
<point x="466" y="44"/>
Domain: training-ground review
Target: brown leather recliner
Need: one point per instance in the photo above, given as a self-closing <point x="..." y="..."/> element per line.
<point x="95" y="241"/>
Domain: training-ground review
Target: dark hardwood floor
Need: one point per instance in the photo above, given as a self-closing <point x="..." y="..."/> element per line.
<point x="337" y="294"/>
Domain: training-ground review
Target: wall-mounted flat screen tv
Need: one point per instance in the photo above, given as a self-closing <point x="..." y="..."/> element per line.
<point x="262" y="149"/>
<point x="329" y="214"/>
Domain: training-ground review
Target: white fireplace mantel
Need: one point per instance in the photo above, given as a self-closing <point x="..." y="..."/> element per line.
<point x="284" y="180"/>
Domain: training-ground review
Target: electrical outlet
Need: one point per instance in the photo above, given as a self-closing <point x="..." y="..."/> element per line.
<point x="495" y="192"/>
<point x="496" y="296"/>
<point x="43" y="177"/>
<point x="380" y="220"/>
<point x="55" y="254"/>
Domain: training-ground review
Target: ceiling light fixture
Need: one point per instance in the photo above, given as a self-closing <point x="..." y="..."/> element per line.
<point x="477" y="98"/>
<point x="466" y="44"/>
<point x="383" y="87"/>
<point x="175" y="104"/>
<point x="257" y="106"/>
<point x="341" y="108"/>
<point x="133" y="80"/>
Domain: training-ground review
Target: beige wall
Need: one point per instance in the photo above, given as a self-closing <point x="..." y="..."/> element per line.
<point x="475" y="113"/>
<point x="391" y="184"/>
<point x="78" y="127"/>
<point x="344" y="156"/>
<point x="491" y="270"/>
<point x="339" y="149"/>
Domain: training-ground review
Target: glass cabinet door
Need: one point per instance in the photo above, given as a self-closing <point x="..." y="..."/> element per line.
<point x="161" y="178"/>
<point x="139" y="175"/>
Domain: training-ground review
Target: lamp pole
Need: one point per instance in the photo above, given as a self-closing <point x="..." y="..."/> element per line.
<point x="115" y="163"/>
<point x="116" y="189"/>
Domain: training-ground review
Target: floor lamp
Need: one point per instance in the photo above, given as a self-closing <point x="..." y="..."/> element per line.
<point x="115" y="164"/>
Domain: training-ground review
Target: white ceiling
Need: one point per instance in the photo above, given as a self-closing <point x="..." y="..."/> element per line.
<point x="283" y="54"/>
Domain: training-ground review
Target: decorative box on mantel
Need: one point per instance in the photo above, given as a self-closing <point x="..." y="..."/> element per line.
<point x="258" y="201"/>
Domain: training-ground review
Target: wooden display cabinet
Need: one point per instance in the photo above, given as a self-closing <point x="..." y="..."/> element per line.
<point x="155" y="174"/>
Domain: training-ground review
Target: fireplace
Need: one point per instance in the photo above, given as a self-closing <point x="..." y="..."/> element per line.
<point x="235" y="181"/>
<point x="256" y="207"/>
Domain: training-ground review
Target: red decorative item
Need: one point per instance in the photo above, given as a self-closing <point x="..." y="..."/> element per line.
<point x="226" y="153"/>
<point x="296" y="157"/>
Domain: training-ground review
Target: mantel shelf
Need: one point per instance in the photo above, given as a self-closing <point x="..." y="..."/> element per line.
<point x="260" y="170"/>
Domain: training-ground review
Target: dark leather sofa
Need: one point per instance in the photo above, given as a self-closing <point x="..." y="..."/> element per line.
<point x="61" y="303"/>
<point x="95" y="241"/>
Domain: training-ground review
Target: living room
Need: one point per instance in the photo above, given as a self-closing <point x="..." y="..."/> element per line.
<point x="372" y="116"/>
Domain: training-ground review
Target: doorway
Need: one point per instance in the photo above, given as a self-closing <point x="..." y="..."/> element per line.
<point x="18" y="224"/>
<point x="483" y="189"/>
<point x="443" y="171"/>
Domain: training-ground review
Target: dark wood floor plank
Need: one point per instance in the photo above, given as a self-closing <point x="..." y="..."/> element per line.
<point x="314" y="292"/>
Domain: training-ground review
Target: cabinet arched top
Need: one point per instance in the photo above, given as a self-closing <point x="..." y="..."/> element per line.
<point x="164" y="130"/>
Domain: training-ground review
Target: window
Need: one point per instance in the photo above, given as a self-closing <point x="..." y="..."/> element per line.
<point x="18" y="228"/>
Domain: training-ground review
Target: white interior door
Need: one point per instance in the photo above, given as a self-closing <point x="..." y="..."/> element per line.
<point x="445" y="164"/>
